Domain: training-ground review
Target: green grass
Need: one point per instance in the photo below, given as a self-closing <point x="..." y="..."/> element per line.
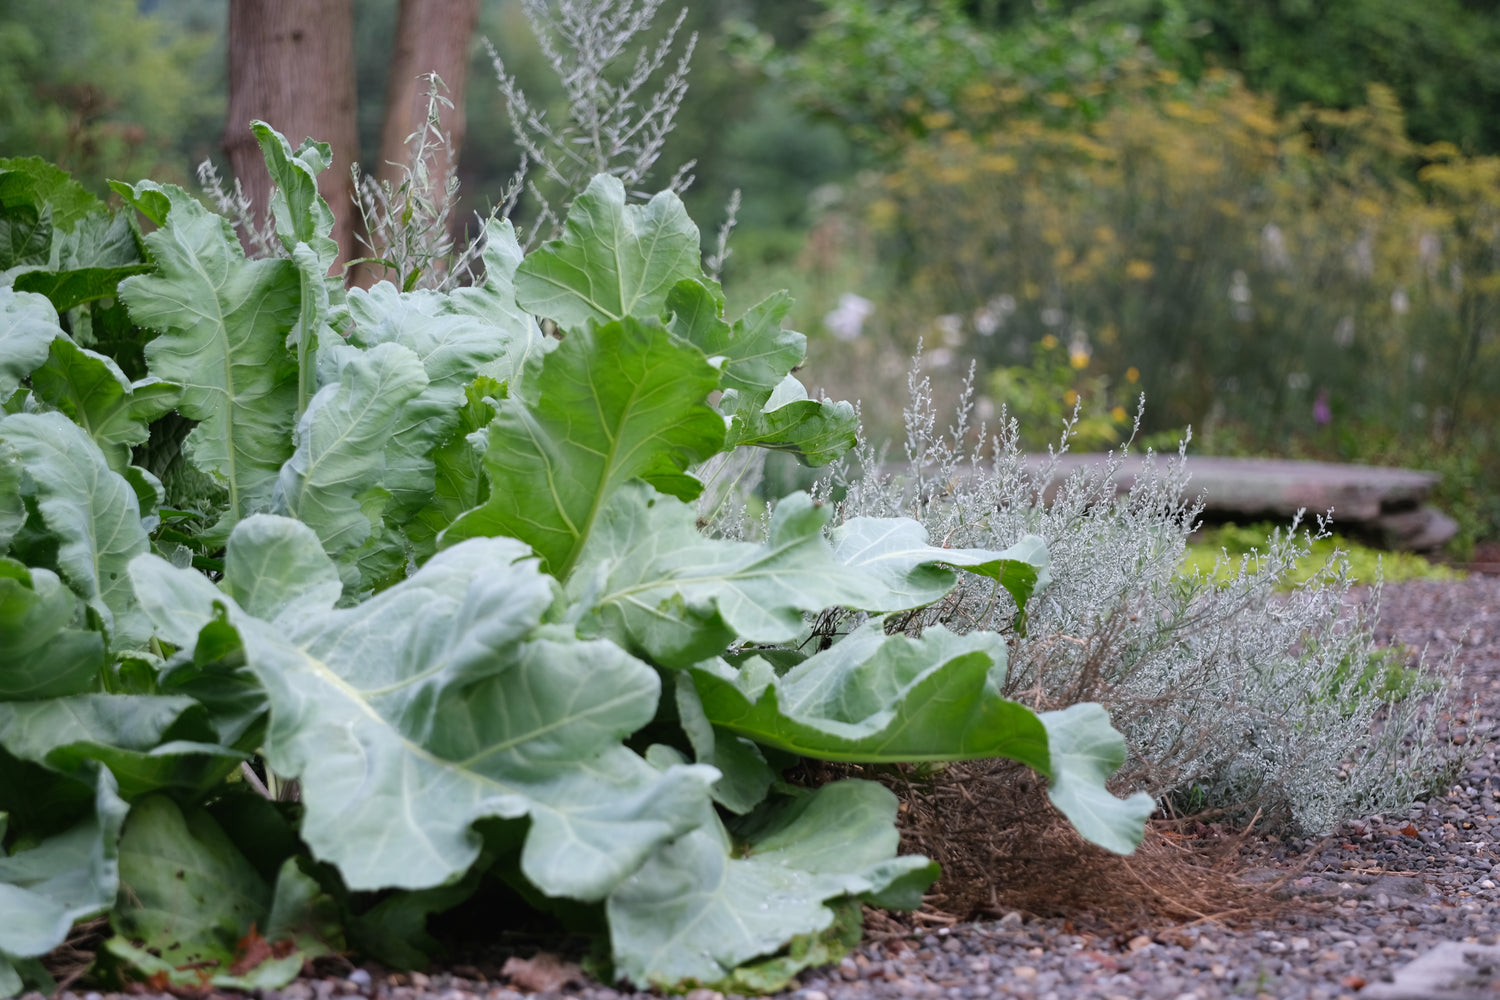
<point x="1366" y="564"/>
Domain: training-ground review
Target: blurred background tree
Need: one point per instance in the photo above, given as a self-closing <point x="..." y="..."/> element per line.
<point x="112" y="88"/>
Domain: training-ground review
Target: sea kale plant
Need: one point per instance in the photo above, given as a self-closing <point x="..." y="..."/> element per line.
<point x="322" y="611"/>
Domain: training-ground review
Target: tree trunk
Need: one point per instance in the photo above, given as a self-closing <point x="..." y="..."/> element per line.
<point x="432" y="36"/>
<point x="291" y="64"/>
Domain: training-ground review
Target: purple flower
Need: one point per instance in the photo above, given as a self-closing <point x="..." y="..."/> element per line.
<point x="1321" y="413"/>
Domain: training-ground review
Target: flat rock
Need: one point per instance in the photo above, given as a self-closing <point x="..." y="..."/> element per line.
<point x="1386" y="505"/>
<point x="1451" y="971"/>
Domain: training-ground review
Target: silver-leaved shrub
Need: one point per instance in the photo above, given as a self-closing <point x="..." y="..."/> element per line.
<point x="1244" y="695"/>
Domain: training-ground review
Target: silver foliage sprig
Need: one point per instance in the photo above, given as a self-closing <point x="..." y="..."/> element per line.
<point x="408" y="225"/>
<point x="612" y="124"/>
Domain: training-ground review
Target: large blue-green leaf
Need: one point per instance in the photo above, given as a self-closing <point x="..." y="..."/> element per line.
<point x="25" y="238"/>
<point x="68" y="877"/>
<point x="614" y="260"/>
<point x="186" y="889"/>
<point x="12" y="507"/>
<point x="874" y="697"/>
<point x="494" y="301"/>
<point x="28" y="324"/>
<point x="700" y="908"/>
<point x="45" y="655"/>
<point x="147" y="741"/>
<point x="455" y="338"/>
<point x="304" y="224"/>
<point x="756" y="353"/>
<point x="894" y="552"/>
<point x="91" y="510"/>
<point x="31" y="180"/>
<point x="300" y="213"/>
<point x="744" y="775"/>
<point x="459" y="481"/>
<point x="331" y="481"/>
<point x="612" y="403"/>
<point x="87" y="262"/>
<point x="189" y="897"/>
<point x="223" y="323"/>
<point x="817" y="431"/>
<point x="1086" y="750"/>
<point x="95" y="394"/>
<point x="658" y="585"/>
<point x="442" y="701"/>
<point x="272" y="567"/>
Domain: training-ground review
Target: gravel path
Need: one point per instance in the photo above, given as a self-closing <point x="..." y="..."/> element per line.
<point x="1377" y="895"/>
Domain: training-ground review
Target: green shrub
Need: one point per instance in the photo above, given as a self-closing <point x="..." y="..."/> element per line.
<point x="1217" y="551"/>
<point x="1310" y="280"/>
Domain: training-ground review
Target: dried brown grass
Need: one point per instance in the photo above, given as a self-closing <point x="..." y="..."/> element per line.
<point x="71" y="960"/>
<point x="1003" y="848"/>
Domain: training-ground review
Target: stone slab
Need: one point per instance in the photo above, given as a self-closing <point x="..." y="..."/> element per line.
<point x="1254" y="486"/>
<point x="1388" y="506"/>
<point x="1453" y="970"/>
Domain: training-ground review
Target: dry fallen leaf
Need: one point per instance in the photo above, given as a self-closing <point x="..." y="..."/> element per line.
<point x="543" y="973"/>
<point x="251" y="950"/>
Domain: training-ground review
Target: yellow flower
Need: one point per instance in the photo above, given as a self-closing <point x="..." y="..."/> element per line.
<point x="1078" y="358"/>
<point x="1132" y="374"/>
<point x="1140" y="270"/>
<point x="998" y="163"/>
<point x="1117" y="414"/>
<point x="883" y="212"/>
<point x="1070" y="397"/>
<point x="1049" y="342"/>
<point x="955" y="174"/>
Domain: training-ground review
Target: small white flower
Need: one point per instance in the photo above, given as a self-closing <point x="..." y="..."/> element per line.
<point x="951" y="326"/>
<point x="1343" y="333"/>
<point x="1239" y="287"/>
<point x="846" y="320"/>
<point x="1273" y="248"/>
